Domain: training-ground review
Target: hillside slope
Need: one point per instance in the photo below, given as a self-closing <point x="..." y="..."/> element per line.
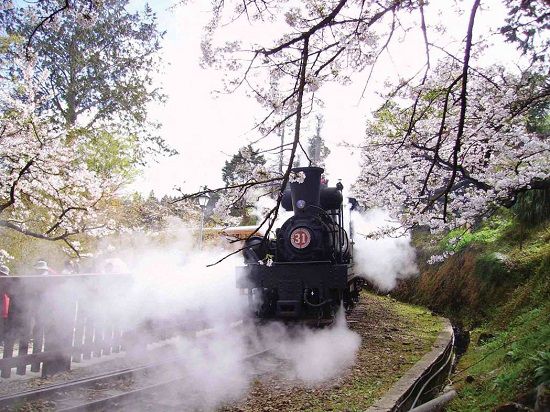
<point x="496" y="287"/>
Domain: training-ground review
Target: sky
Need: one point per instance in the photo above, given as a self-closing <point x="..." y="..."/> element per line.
<point x="208" y="128"/>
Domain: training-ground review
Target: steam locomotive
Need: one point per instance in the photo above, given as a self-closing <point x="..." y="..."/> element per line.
<point x="306" y="272"/>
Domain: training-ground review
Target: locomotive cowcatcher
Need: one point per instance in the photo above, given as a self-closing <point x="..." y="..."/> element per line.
<point x="306" y="272"/>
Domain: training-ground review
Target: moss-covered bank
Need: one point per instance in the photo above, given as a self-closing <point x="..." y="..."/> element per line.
<point x="496" y="285"/>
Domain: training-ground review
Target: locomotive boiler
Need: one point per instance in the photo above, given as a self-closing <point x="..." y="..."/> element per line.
<point x="306" y="272"/>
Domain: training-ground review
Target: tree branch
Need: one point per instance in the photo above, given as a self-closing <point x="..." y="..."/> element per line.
<point x="41" y="23"/>
<point x="463" y="105"/>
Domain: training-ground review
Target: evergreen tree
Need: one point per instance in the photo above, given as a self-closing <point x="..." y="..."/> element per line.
<point x="241" y="166"/>
<point x="96" y="62"/>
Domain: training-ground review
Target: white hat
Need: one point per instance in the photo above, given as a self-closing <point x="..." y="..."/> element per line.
<point x="4" y="270"/>
<point x="41" y="265"/>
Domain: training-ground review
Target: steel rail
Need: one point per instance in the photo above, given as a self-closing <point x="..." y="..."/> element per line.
<point x="136" y="393"/>
<point x="49" y="390"/>
<point x="34" y="394"/>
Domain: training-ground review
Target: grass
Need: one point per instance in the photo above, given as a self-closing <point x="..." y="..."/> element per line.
<point x="497" y="285"/>
<point x="507" y="366"/>
<point x="489" y="232"/>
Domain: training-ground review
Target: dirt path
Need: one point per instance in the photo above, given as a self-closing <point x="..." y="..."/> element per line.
<point x="393" y="337"/>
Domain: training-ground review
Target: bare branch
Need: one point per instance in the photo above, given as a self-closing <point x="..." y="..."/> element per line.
<point x="41" y="23"/>
<point x="22" y="172"/>
<point x="463" y="103"/>
<point x="247" y="184"/>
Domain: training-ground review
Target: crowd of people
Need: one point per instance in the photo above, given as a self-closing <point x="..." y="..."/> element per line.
<point x="41" y="268"/>
<point x="70" y="267"/>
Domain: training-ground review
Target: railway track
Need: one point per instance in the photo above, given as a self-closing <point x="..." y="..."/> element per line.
<point x="148" y="397"/>
<point x="52" y="391"/>
<point x="118" y="390"/>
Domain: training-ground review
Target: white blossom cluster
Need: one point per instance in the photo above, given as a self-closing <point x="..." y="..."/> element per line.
<point x="46" y="185"/>
<point x="407" y="167"/>
<point x="223" y="208"/>
<point x="6" y="5"/>
<point x="432" y="260"/>
<point x="299" y="177"/>
<point x="249" y="182"/>
<point x="246" y="197"/>
<point x="5" y="257"/>
<point x="341" y="45"/>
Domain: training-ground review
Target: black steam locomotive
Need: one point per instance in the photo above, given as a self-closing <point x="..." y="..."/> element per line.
<point x="306" y="271"/>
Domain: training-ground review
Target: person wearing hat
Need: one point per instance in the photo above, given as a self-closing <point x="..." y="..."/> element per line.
<point x="41" y="268"/>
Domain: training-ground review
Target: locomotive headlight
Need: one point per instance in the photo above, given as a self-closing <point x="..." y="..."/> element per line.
<point x="300" y="204"/>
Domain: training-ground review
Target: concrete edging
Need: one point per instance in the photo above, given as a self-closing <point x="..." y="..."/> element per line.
<point x="392" y="400"/>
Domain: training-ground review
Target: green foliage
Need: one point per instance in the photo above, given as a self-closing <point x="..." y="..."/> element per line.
<point x="110" y="155"/>
<point x="491" y="231"/>
<point x="492" y="267"/>
<point x="533" y="207"/>
<point x="497" y="282"/>
<point x="542" y="366"/>
<point x="507" y="365"/>
<point x="386" y="120"/>
<point x="8" y="41"/>
<point x="539" y="116"/>
<point x="238" y="169"/>
<point x="99" y="64"/>
<point x="26" y="250"/>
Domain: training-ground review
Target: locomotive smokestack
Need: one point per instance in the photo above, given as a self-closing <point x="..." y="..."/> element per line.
<point x="307" y="193"/>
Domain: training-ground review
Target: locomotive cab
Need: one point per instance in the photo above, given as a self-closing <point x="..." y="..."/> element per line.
<point x="306" y="271"/>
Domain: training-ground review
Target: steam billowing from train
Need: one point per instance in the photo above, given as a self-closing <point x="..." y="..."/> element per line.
<point x="171" y="283"/>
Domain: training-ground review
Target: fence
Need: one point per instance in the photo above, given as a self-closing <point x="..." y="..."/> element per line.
<point x="55" y="320"/>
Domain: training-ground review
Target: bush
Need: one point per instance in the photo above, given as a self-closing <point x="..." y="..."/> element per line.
<point x="493" y="267"/>
<point x="533" y="207"/>
<point x="542" y="367"/>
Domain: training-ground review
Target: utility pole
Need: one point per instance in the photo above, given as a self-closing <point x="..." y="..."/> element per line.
<point x="316" y="155"/>
<point x="281" y="153"/>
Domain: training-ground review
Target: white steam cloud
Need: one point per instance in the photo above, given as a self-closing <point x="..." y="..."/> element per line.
<point x="319" y="355"/>
<point x="171" y="285"/>
<point x="383" y="260"/>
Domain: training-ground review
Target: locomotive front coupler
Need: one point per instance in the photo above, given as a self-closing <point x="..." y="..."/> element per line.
<point x="314" y="305"/>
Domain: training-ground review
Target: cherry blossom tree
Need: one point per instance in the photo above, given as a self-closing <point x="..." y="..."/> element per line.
<point x="451" y="142"/>
<point x="417" y="171"/>
<point x="76" y="79"/>
<point x="47" y="190"/>
<point x="454" y="146"/>
<point x="315" y="42"/>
